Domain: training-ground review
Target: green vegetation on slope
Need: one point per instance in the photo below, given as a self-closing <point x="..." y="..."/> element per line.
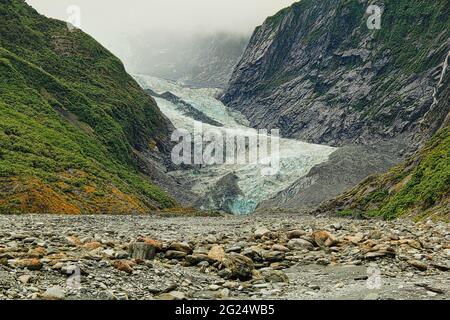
<point x="413" y="38"/>
<point x="418" y="187"/>
<point x="70" y="118"/>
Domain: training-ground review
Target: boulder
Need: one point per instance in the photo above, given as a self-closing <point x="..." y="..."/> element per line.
<point x="124" y="266"/>
<point x="261" y="232"/>
<point x="275" y="276"/>
<point x="54" y="293"/>
<point x="181" y="246"/>
<point x="295" y="234"/>
<point x="273" y="256"/>
<point x="418" y="264"/>
<point x="89" y="246"/>
<point x="173" y="295"/>
<point x="195" y="259"/>
<point x="324" y="239"/>
<point x="279" y="247"/>
<point x="300" y="244"/>
<point x="142" y="251"/>
<point x="239" y="266"/>
<point x="172" y="254"/>
<point x="217" y="253"/>
<point x="30" y="264"/>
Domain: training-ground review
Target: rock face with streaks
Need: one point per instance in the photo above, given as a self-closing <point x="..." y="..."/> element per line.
<point x="317" y="72"/>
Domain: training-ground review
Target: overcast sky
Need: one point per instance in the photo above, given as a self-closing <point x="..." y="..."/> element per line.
<point x="100" y="16"/>
<point x="115" y="23"/>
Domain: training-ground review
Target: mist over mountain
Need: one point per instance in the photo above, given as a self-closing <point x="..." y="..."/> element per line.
<point x="200" y="59"/>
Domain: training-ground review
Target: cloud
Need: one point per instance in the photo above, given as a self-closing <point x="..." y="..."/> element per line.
<point x="166" y="15"/>
<point x="115" y="22"/>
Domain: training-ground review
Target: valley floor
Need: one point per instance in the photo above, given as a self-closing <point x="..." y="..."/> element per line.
<point x="286" y="257"/>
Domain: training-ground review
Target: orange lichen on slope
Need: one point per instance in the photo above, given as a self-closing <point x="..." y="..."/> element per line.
<point x="33" y="196"/>
<point x="20" y="195"/>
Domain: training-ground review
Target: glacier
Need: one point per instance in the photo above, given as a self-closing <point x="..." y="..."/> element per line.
<point x="296" y="157"/>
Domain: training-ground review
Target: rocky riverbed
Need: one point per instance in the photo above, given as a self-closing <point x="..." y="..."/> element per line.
<point x="230" y="257"/>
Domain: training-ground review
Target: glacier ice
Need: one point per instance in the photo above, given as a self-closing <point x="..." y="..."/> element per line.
<point x="296" y="157"/>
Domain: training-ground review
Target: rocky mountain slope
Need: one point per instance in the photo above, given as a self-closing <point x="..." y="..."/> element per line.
<point x="317" y="72"/>
<point x="77" y="133"/>
<point x="418" y="187"/>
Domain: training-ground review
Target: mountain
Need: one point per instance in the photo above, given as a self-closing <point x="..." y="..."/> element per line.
<point x="317" y="72"/>
<point x="418" y="187"/>
<point x="77" y="133"/>
<point x="197" y="60"/>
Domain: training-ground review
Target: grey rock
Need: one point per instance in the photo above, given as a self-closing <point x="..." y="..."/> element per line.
<point x="299" y="244"/>
<point x="172" y="254"/>
<point x="54" y="293"/>
<point x="142" y="251"/>
<point x="260" y="232"/>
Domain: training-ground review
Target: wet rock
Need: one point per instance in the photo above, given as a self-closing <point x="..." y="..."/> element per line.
<point x="275" y="276"/>
<point x="24" y="279"/>
<point x="431" y="288"/>
<point x="273" y="256"/>
<point x="378" y="254"/>
<point x="240" y="266"/>
<point x="418" y="264"/>
<point x="323" y="261"/>
<point x="261" y="232"/>
<point x="90" y="246"/>
<point x="441" y="266"/>
<point x="300" y="244"/>
<point x="141" y="251"/>
<point x="124" y="266"/>
<point x="181" y="246"/>
<point x="336" y="226"/>
<point x="121" y="255"/>
<point x="172" y="254"/>
<point x="163" y="289"/>
<point x="72" y="269"/>
<point x="174" y="295"/>
<point x="354" y="239"/>
<point x="324" y="239"/>
<point x="158" y="245"/>
<point x="295" y="234"/>
<point x="217" y="253"/>
<point x="235" y="248"/>
<point x="254" y="253"/>
<point x="54" y="293"/>
<point x="279" y="247"/>
<point x="196" y="259"/>
<point x="30" y="264"/>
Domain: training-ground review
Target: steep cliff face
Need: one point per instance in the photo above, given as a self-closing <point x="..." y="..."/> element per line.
<point x="418" y="187"/>
<point x="317" y="72"/>
<point x="75" y="128"/>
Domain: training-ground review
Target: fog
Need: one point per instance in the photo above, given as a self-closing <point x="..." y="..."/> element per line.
<point x="122" y="26"/>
